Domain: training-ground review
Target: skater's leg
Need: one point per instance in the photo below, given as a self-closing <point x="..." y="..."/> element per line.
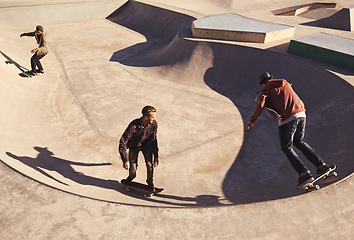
<point x="286" y="136"/>
<point x="133" y="162"/>
<point x="309" y="153"/>
<point x="35" y="62"/>
<point x="39" y="64"/>
<point x="149" y="164"/>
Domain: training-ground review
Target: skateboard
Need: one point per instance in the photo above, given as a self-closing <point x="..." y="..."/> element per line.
<point x="330" y="173"/>
<point x="142" y="188"/>
<point x="27" y="75"/>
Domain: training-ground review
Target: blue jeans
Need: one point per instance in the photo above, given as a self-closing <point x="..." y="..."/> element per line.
<point x="292" y="134"/>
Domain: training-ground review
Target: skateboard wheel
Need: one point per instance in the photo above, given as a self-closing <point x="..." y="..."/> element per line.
<point x="317" y="187"/>
<point x="335" y="174"/>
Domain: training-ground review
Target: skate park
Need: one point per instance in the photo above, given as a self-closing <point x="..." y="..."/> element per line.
<point x="60" y="168"/>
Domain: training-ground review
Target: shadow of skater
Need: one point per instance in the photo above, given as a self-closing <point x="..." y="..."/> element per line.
<point x="46" y="160"/>
<point x="261" y="172"/>
<point x="10" y="61"/>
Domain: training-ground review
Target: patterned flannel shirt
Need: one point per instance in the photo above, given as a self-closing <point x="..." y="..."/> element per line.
<point x="137" y="136"/>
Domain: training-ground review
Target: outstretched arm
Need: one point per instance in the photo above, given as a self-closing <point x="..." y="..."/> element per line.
<point x="30" y="34"/>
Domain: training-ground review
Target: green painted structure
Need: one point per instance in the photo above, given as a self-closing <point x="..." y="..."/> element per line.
<point x="325" y="47"/>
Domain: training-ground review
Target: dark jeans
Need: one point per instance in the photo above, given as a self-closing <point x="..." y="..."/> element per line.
<point x="293" y="133"/>
<point x="35" y="62"/>
<point x="133" y="162"/>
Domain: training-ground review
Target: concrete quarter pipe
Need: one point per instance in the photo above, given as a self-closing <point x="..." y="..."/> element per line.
<point x="204" y="93"/>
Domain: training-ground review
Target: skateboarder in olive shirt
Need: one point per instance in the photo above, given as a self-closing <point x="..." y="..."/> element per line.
<point x="285" y="105"/>
<point x="140" y="135"/>
<point x="39" y="52"/>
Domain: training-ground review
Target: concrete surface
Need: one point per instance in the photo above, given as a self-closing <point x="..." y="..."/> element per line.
<point x="342" y="20"/>
<point x="60" y="168"/>
<point x="325" y="47"/>
<point x="229" y="26"/>
<point x="29" y="12"/>
<point x="300" y="9"/>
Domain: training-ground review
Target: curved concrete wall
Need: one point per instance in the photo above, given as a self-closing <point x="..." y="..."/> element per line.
<point x="40" y="12"/>
<point x="61" y="129"/>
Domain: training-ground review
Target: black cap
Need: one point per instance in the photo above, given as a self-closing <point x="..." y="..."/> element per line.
<point x="39" y="28"/>
<point x="265" y="77"/>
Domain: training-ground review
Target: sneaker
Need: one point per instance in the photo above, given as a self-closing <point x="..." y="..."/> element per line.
<point x="127" y="182"/>
<point x="322" y="170"/>
<point x="40" y="71"/>
<point x="304" y="181"/>
<point x="151" y="187"/>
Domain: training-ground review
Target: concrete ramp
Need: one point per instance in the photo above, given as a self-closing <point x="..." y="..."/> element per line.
<point x="155" y="23"/>
<point x="60" y="131"/>
<point x="204" y="85"/>
<point x="325" y="47"/>
<point x="158" y="27"/>
<point x="300" y="9"/>
<point x="234" y="27"/>
<point x="342" y="20"/>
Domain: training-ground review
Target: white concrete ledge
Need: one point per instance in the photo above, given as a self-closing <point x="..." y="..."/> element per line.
<point x="229" y="26"/>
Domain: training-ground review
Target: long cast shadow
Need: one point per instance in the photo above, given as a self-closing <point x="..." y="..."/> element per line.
<point x="261" y="172"/>
<point x="46" y="160"/>
<point x="10" y="61"/>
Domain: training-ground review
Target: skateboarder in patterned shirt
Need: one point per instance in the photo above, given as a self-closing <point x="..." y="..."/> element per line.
<point x="285" y="105"/>
<point x="140" y="135"/>
<point x="39" y="52"/>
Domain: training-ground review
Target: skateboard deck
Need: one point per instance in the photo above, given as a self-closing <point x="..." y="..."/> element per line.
<point x="142" y="188"/>
<point x="330" y="173"/>
<point x="27" y="75"/>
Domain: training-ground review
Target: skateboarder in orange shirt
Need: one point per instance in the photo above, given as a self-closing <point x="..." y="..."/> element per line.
<point x="285" y="105"/>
